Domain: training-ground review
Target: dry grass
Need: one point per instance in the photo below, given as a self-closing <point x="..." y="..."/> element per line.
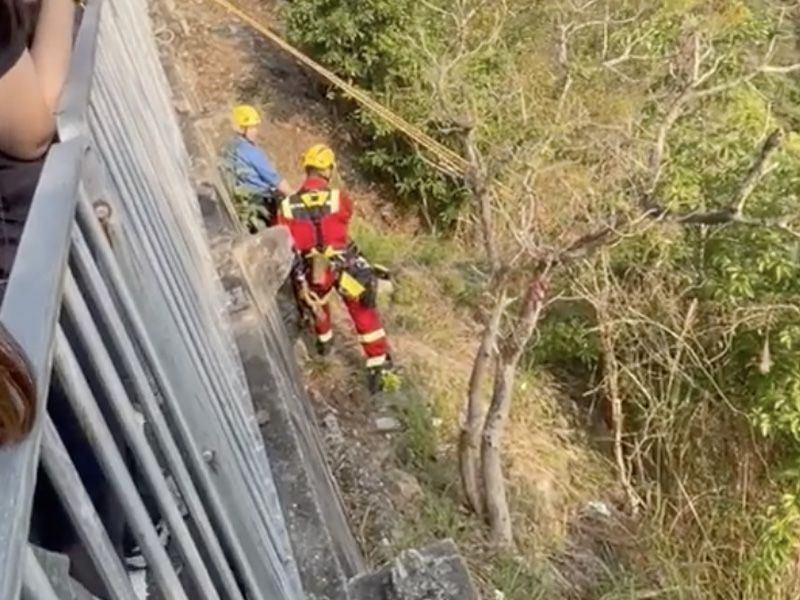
<point x="553" y="474"/>
<point x="557" y="480"/>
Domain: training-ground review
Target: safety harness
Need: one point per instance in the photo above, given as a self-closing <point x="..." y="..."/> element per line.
<point x="313" y="206"/>
<point x="353" y="275"/>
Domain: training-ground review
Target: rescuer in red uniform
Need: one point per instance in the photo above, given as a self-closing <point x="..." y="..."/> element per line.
<point x="318" y="217"/>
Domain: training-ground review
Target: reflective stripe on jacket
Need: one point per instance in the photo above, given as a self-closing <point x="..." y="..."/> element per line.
<point x="317" y="216"/>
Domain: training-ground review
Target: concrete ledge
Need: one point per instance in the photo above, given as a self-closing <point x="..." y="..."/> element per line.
<point x="320" y="570"/>
<point x="324" y="548"/>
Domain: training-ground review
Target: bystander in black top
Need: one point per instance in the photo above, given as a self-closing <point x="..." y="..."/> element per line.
<point x="18" y="178"/>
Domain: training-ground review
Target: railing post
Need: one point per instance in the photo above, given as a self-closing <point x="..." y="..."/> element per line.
<point x="79" y="506"/>
<point x="83" y="402"/>
<point x="100" y="295"/>
<point x="117" y="397"/>
<point x="29" y="311"/>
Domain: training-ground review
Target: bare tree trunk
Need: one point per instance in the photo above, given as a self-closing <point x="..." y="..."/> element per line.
<point x="611" y="385"/>
<point x="497" y="512"/>
<point x="469" y="443"/>
<point x="514" y="344"/>
<point x="478" y="183"/>
<point x="485" y="201"/>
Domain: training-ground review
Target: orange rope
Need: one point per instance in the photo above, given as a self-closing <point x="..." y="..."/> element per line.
<point x="449" y="161"/>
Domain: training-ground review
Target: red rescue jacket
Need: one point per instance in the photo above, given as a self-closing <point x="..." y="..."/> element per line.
<point x="317" y="216"/>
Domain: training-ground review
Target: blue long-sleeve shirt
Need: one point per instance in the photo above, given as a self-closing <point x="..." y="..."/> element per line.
<point x="252" y="171"/>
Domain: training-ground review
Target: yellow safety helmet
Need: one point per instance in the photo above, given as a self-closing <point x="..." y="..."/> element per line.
<point x="319" y="157"/>
<point x="246" y="116"/>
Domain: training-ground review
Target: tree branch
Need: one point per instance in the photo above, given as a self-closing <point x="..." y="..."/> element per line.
<point x="734" y="212"/>
<point x="623" y="225"/>
<point x="694" y="91"/>
<point x="780" y="70"/>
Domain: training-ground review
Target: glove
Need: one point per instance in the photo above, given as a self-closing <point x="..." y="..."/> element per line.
<point x="381" y="272"/>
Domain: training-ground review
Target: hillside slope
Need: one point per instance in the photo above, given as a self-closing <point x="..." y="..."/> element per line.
<point x="402" y="487"/>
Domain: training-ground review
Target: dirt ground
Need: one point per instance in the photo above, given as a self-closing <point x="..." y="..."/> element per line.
<point x="227" y="63"/>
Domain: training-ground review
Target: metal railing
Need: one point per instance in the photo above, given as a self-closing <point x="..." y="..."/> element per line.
<point x="133" y="319"/>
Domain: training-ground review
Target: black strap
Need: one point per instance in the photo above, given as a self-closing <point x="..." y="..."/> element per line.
<point x="314" y="214"/>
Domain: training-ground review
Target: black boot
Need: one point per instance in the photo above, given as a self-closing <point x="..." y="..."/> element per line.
<point x="374" y="376"/>
<point x="324" y="348"/>
<point x="384" y="378"/>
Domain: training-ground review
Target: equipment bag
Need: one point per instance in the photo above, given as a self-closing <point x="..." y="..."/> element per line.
<point x="350" y="286"/>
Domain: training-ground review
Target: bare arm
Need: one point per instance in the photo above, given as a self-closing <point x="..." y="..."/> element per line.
<point x="51" y="50"/>
<point x="31" y="88"/>
<point x="284" y="188"/>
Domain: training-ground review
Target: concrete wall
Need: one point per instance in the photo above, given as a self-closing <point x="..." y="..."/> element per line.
<point x="325" y="549"/>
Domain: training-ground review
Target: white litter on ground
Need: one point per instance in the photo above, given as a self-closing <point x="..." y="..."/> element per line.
<point x="139" y="583"/>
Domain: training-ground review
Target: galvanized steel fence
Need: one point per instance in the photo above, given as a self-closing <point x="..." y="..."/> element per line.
<point x="137" y="308"/>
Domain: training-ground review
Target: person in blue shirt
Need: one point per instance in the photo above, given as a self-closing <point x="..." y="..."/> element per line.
<point x="253" y="178"/>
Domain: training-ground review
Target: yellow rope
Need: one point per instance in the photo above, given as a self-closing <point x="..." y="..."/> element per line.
<point x="449" y="161"/>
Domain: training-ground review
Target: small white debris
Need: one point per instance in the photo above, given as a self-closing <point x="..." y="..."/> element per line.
<point x="139" y="418"/>
<point x="599" y="508"/>
<point x="332" y="428"/>
<point x="387" y="424"/>
<point x="139" y="583"/>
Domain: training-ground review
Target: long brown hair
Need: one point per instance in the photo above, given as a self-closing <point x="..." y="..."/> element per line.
<point x="17" y="390"/>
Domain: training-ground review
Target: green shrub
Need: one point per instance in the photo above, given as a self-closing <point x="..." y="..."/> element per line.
<point x="367" y="43"/>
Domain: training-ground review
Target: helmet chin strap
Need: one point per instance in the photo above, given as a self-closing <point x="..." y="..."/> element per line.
<point x="327" y="176"/>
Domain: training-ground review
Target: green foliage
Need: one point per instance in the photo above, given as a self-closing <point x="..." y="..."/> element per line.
<point x="379" y="247"/>
<point x="517" y="581"/>
<point x="251" y="214"/>
<point x="737" y="356"/>
<point x="418" y="445"/>
<point x="363" y="42"/>
<point x="368" y="44"/>
<point x="778" y="545"/>
<point x="567" y="341"/>
<point x="420" y="188"/>
<point x="439" y="514"/>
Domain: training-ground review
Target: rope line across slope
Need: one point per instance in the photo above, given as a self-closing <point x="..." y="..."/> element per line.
<point x="448" y="160"/>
